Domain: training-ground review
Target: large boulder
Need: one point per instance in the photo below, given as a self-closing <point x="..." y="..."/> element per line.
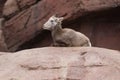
<point x="26" y="3"/>
<point x="55" y="63"/>
<point x="11" y="7"/>
<point x="26" y="24"/>
<point x="1" y="6"/>
<point x="3" y="46"/>
<point x="71" y="8"/>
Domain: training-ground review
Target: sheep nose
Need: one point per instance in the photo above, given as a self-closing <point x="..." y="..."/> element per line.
<point x="43" y="26"/>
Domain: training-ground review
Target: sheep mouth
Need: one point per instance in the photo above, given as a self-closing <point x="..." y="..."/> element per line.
<point x="46" y="28"/>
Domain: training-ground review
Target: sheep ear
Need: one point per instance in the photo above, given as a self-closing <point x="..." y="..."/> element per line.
<point x="54" y="15"/>
<point x="61" y="19"/>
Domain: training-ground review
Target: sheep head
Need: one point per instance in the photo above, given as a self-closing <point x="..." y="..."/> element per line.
<point x="53" y="22"/>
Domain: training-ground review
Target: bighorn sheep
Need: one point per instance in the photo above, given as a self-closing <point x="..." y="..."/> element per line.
<point x="65" y="37"/>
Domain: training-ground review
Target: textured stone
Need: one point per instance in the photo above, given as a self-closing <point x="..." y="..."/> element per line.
<point x="27" y="23"/>
<point x="1" y="6"/>
<point x="52" y="63"/>
<point x="3" y="46"/>
<point x="10" y="7"/>
<point x="26" y="3"/>
<point x="17" y="32"/>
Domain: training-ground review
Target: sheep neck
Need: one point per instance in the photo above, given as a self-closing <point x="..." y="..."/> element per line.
<point x="57" y="30"/>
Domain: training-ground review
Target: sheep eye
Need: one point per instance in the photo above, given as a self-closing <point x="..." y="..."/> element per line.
<point x="52" y="21"/>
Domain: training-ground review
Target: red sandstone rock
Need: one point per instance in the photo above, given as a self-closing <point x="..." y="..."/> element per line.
<point x="13" y="6"/>
<point x="26" y="3"/>
<point x="61" y="64"/>
<point x="10" y="7"/>
<point x="1" y="6"/>
<point x="3" y="46"/>
<point x="27" y="24"/>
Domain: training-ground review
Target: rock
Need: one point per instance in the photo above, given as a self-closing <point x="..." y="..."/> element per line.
<point x="28" y="23"/>
<point x="55" y="63"/>
<point x="26" y="3"/>
<point x="10" y="7"/>
<point x="1" y="6"/>
<point x="3" y="46"/>
<point x="17" y="32"/>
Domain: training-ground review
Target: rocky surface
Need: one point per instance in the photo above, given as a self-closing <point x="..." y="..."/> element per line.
<point x="71" y="8"/>
<point x="2" y="2"/>
<point x="12" y="7"/>
<point x="3" y="46"/>
<point x="24" y="18"/>
<point x="52" y="63"/>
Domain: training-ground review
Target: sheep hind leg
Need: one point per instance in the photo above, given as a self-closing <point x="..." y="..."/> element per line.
<point x="88" y="44"/>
